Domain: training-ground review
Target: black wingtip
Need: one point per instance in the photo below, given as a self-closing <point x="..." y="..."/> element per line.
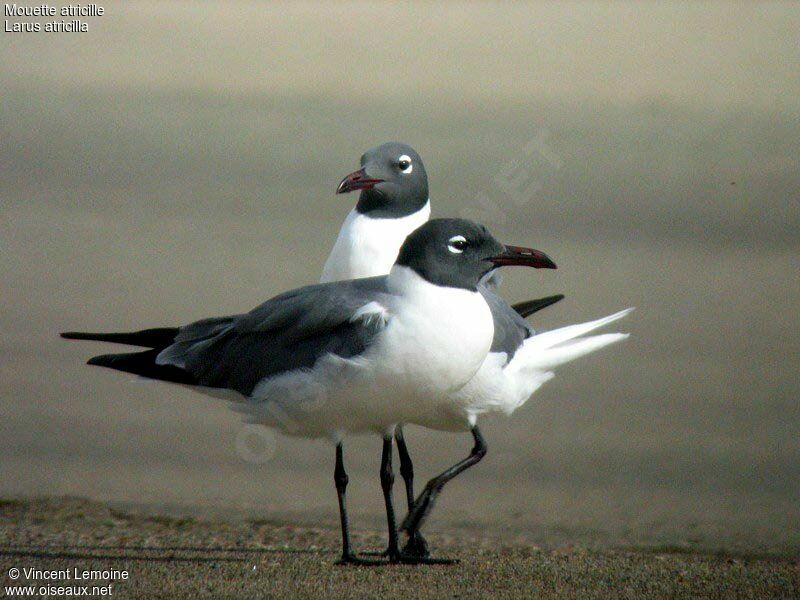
<point x="526" y="309"/>
<point x="159" y="337"/>
<point x="144" y="364"/>
<point x="108" y="360"/>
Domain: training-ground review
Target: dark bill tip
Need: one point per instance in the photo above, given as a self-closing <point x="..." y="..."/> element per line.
<point x="357" y="180"/>
<point x="524" y="257"/>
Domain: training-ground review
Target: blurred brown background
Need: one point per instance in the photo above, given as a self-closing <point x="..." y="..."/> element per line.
<point x="179" y="161"/>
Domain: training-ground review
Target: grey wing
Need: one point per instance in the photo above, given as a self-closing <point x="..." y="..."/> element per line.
<point x="291" y="331"/>
<point x="510" y="329"/>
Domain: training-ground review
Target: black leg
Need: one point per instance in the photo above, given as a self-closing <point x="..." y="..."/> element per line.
<point x="387" y="482"/>
<point x="341" y="479"/>
<point x="416" y="545"/>
<point x="406" y="466"/>
<point x="416" y="516"/>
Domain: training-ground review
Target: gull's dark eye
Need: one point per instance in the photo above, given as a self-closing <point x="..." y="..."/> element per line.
<point x="457" y="244"/>
<point x="404" y="163"/>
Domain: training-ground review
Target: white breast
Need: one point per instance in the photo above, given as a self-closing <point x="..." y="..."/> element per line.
<point x="437" y="339"/>
<point x="367" y="247"/>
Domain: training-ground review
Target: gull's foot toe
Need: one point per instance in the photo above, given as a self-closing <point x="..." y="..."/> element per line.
<point x="416" y="546"/>
<point x="407" y="559"/>
<point x="352" y="559"/>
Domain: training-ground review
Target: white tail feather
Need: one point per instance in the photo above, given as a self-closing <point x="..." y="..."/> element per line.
<point x="506" y="388"/>
<point x="549" y="349"/>
<point x="549" y="339"/>
<point x="573" y="349"/>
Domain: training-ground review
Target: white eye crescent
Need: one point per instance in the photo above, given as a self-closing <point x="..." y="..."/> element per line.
<point x="457" y="244"/>
<point x="404" y="162"/>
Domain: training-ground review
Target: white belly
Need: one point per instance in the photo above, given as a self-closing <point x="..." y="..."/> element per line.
<point x="499" y="387"/>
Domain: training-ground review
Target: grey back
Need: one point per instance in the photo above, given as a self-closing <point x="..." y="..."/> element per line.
<point x="291" y="331"/>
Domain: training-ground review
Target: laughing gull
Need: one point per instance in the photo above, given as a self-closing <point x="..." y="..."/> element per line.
<point x="349" y="356"/>
<point x="393" y="201"/>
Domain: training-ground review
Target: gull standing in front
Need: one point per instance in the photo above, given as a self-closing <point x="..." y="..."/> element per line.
<point x="346" y="357"/>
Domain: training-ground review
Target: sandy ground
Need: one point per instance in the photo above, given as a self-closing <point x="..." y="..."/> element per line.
<point x="183" y="557"/>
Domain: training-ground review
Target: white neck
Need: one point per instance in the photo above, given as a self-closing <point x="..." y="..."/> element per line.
<point x="367" y="247"/>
